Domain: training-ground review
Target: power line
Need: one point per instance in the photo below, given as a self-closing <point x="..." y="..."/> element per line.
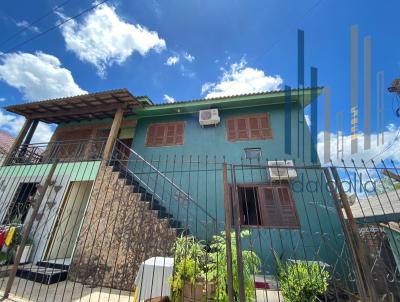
<point x="56" y="26"/>
<point x="306" y="13"/>
<point x="34" y="22"/>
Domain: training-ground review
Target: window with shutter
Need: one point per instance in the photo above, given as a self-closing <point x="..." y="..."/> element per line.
<point x="271" y="206"/>
<point x="252" y="127"/>
<point x="278" y="208"/>
<point x="165" y="134"/>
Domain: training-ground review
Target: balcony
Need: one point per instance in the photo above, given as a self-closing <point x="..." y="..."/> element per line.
<point x="63" y="151"/>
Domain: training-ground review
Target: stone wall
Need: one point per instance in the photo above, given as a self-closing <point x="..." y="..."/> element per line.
<point x="119" y="232"/>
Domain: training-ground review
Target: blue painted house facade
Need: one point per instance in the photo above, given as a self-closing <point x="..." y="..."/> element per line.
<point x="165" y="151"/>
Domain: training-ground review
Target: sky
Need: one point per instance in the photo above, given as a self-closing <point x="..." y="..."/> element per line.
<point x="182" y="50"/>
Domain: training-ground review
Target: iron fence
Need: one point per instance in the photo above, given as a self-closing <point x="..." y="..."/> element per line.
<point x="198" y="228"/>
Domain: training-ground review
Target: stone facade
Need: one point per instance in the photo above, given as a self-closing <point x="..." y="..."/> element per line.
<point x="119" y="232"/>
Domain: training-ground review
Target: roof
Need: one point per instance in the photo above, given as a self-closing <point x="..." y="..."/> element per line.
<point x="6" y="141"/>
<point x="232" y="101"/>
<point x="379" y="208"/>
<point x="81" y="107"/>
<point x="104" y="104"/>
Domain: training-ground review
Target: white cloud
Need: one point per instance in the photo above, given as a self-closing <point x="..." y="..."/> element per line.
<point x="2" y="99"/>
<point x="389" y="150"/>
<point x="25" y="24"/>
<point x="13" y="124"/>
<point x="169" y="99"/>
<point x="172" y="60"/>
<point x="103" y="38"/>
<point x="240" y="79"/>
<point x="10" y="122"/>
<point x="188" y="57"/>
<point x="38" y="76"/>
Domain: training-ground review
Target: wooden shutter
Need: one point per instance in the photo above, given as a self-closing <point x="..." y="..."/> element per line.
<point x="252" y="127"/>
<point x="287" y="208"/>
<point x="269" y="207"/>
<point x="165" y="134"/>
<point x="277" y="207"/>
<point x="231" y="129"/>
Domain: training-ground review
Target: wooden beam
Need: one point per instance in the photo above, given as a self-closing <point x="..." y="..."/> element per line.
<point x="78" y="111"/>
<point x="113" y="133"/>
<point x="392" y="175"/>
<point x="18" y="140"/>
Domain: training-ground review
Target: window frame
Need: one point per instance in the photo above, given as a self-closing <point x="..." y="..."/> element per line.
<point x="261" y="202"/>
<point x="236" y="133"/>
<point x="164" y="142"/>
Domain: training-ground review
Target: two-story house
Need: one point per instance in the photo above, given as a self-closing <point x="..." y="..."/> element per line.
<point x="132" y="175"/>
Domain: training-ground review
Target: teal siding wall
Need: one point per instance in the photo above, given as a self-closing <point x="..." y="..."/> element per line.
<point x="320" y="236"/>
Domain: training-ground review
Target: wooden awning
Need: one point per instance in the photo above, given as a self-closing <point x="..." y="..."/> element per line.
<point x="76" y="108"/>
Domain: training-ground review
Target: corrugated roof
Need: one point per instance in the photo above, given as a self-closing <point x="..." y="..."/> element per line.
<point x="6" y="141"/>
<point x="235" y="96"/>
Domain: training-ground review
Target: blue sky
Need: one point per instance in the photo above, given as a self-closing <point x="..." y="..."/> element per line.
<point x="192" y="49"/>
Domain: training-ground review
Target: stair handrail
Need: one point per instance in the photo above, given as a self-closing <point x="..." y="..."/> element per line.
<point x="187" y="196"/>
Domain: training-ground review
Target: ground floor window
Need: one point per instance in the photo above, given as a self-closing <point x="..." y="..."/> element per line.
<point x="269" y="206"/>
<point x="19" y="207"/>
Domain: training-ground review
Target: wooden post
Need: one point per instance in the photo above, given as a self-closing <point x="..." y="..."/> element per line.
<point x="358" y="250"/>
<point x="228" y="217"/>
<point x="113" y="133"/>
<point x="37" y="201"/>
<point x="28" y="138"/>
<point x="18" y="140"/>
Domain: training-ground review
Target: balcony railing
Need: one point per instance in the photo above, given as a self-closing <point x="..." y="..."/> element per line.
<point x="63" y="151"/>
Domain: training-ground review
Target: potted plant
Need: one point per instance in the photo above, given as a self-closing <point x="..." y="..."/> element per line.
<point x="201" y="275"/>
<point x="301" y="281"/>
<point x="187" y="281"/>
<point x="217" y="269"/>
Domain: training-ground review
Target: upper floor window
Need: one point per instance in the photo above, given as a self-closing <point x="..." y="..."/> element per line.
<point x="249" y="127"/>
<point x="165" y="134"/>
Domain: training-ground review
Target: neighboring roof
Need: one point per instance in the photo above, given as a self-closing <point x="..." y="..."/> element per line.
<point x="6" y="141"/>
<point x="380" y="208"/>
<point x="82" y="107"/>
<point x="233" y="101"/>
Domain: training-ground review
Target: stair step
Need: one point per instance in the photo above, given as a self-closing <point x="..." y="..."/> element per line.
<point x="146" y="196"/>
<point x="44" y="275"/>
<point x="52" y="265"/>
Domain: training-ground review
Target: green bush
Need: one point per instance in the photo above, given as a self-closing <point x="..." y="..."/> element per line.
<point x="218" y="271"/>
<point x="190" y="257"/>
<point x="302" y="281"/>
<point x="193" y="263"/>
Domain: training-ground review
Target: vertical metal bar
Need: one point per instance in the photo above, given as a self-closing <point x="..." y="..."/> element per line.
<point x="327" y="124"/>
<point x="314" y="115"/>
<point x="354" y="87"/>
<point x="228" y="217"/>
<point x="288" y="120"/>
<point x="35" y="209"/>
<point x="237" y="221"/>
<point x="364" y="280"/>
<point x="367" y="93"/>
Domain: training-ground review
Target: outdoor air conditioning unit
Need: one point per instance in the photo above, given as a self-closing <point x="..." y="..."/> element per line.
<point x="209" y="117"/>
<point x="278" y="169"/>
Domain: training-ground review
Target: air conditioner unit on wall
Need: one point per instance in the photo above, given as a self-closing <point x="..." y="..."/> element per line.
<point x="209" y="117"/>
<point x="279" y="169"/>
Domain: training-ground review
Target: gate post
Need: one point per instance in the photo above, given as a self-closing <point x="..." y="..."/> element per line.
<point x="351" y="232"/>
<point x="35" y="209"/>
<point x="237" y="222"/>
<point x="228" y="217"/>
